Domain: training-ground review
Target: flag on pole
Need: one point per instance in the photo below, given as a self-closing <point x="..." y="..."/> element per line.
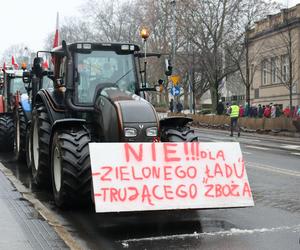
<point x="56" y="36"/>
<point x="14" y="63"/>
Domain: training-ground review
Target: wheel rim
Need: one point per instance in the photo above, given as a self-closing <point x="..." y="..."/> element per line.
<point x="35" y="146"/>
<point x="57" y="169"/>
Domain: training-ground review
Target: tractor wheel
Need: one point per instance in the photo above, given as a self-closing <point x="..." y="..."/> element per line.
<point x="28" y="148"/>
<point x="20" y="134"/>
<point x="70" y="168"/>
<point x="7" y="133"/>
<point x="184" y="134"/>
<point x="39" y="146"/>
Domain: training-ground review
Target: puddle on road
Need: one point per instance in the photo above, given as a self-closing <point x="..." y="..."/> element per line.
<point x="23" y="174"/>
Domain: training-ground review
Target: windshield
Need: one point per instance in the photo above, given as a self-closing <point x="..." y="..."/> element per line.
<point x="17" y="84"/>
<point x="100" y="69"/>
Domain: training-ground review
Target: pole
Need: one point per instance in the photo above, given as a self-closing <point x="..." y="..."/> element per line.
<point x="173" y="4"/>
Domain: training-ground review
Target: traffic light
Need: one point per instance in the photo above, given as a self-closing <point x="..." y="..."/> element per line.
<point x="161" y="86"/>
<point x="169" y="67"/>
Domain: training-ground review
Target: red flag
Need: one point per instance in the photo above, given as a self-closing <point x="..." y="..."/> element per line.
<point x="14" y="63"/>
<point x="56" y="36"/>
<point x="45" y="65"/>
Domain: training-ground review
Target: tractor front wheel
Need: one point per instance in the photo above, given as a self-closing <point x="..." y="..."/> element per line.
<point x="70" y="168"/>
<point x="184" y="134"/>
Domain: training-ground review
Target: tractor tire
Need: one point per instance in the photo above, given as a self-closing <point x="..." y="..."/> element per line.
<point x="7" y="133"/>
<point x="28" y="148"/>
<point x="71" y="168"/>
<point x="184" y="134"/>
<point x="20" y="134"/>
<point x="39" y="147"/>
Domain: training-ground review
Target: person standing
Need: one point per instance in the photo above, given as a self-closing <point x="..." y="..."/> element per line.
<point x="234" y="116"/>
<point x="273" y="111"/>
<point x="171" y="106"/>
<point x="220" y="108"/>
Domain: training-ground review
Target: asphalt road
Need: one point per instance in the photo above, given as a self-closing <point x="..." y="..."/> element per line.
<point x="273" y="167"/>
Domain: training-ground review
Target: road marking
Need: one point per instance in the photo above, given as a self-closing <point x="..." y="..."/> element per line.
<point x="292" y="153"/>
<point x="273" y="169"/>
<point x="247" y="153"/>
<point x="256" y="147"/>
<point x="290" y="146"/>
<point x="232" y="231"/>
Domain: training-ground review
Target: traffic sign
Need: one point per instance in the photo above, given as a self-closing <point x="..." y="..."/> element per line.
<point x="175" y="90"/>
<point x="175" y="79"/>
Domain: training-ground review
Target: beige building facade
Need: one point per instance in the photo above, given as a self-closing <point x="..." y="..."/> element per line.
<point x="274" y="58"/>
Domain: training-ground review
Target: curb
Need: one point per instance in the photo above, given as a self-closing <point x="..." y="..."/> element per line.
<point x="47" y="215"/>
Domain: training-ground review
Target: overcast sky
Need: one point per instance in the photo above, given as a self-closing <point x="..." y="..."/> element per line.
<point x="30" y="21"/>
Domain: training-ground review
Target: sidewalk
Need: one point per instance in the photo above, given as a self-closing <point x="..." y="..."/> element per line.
<point x="21" y="225"/>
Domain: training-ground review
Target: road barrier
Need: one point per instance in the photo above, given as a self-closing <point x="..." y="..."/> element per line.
<point x="247" y="123"/>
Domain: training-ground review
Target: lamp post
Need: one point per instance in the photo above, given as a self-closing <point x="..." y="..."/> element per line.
<point x="145" y="34"/>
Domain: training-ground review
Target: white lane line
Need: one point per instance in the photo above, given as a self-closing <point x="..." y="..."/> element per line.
<point x="273" y="169"/>
<point x="256" y="147"/>
<point x="246" y="153"/>
<point x="232" y="231"/>
<point x="292" y="153"/>
<point x="290" y="146"/>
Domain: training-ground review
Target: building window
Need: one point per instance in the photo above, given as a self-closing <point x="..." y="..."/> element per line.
<point x="273" y="70"/>
<point x="285" y="68"/>
<point x="256" y="93"/>
<point x="264" y="67"/>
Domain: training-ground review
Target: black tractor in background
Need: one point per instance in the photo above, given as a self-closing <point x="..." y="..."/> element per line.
<point x="96" y="97"/>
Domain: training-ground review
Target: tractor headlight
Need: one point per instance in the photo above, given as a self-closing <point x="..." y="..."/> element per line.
<point x="130" y="132"/>
<point x="151" y="131"/>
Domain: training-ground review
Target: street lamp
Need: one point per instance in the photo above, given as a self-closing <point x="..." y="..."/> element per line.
<point x="145" y="33"/>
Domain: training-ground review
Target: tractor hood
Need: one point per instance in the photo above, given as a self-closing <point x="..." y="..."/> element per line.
<point x="133" y="108"/>
<point x="121" y="111"/>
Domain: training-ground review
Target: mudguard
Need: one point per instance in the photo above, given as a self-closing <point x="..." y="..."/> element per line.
<point x="175" y="129"/>
<point x="174" y="122"/>
<point x="24" y="102"/>
<point x="65" y="123"/>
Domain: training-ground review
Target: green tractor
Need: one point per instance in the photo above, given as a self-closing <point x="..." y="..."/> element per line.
<point x="96" y="98"/>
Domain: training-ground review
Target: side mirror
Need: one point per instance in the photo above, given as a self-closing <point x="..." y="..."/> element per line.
<point x="37" y="68"/>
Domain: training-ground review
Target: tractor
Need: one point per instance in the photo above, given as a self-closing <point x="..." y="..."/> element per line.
<point x="23" y="111"/>
<point x="12" y="91"/>
<point x="96" y="97"/>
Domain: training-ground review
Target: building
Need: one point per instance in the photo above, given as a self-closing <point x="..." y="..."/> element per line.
<point x="274" y="58"/>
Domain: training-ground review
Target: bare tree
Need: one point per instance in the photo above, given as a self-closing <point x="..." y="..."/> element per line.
<point x="20" y="51"/>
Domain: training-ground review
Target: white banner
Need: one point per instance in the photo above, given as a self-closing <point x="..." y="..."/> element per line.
<point x="163" y="176"/>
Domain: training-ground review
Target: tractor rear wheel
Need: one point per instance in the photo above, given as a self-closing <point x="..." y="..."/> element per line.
<point x="70" y="168"/>
<point x="7" y="133"/>
<point x="39" y="146"/>
<point x="184" y="134"/>
<point x="20" y="134"/>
